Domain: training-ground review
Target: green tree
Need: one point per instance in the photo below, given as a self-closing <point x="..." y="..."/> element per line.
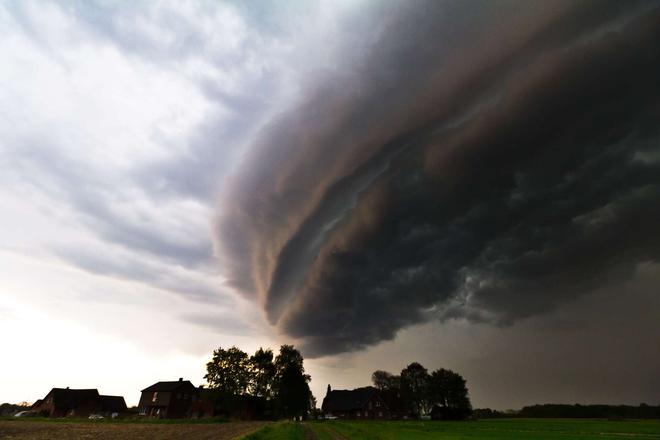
<point x="291" y="383"/>
<point x="262" y="371"/>
<point x="414" y="389"/>
<point x="449" y="392"/>
<point x="382" y="380"/>
<point x="229" y="371"/>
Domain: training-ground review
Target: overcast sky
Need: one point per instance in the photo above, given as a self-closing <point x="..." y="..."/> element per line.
<point x="471" y="185"/>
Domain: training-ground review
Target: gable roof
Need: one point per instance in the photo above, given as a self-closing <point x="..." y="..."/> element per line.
<point x="169" y="386"/>
<point x="113" y="403"/>
<point x="347" y="400"/>
<point x="66" y="398"/>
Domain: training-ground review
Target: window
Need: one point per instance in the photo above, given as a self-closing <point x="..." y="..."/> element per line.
<point x="377" y="404"/>
<point x="143" y="411"/>
<point x="358" y="414"/>
<point x="155" y="396"/>
<point x="380" y="414"/>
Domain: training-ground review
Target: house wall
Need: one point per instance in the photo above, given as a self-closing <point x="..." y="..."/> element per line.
<point x="47" y="408"/>
<point x="172" y="405"/>
<point x="181" y="402"/>
<point x="202" y="408"/>
<point x="374" y="408"/>
<point x="84" y="409"/>
<point x="162" y="398"/>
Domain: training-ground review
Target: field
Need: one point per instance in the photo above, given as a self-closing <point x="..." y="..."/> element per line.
<point x="111" y="430"/>
<point x="509" y="429"/>
<point x="540" y="429"/>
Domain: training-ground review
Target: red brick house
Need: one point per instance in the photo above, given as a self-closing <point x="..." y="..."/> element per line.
<point x="360" y="403"/>
<point x="66" y="402"/>
<point x="169" y="400"/>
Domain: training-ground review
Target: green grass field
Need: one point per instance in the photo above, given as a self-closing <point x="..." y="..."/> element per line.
<point x="280" y="431"/>
<point x="501" y="429"/>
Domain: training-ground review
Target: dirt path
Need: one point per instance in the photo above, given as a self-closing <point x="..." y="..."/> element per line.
<point x="309" y="433"/>
<point x="325" y="429"/>
<point x="129" y="431"/>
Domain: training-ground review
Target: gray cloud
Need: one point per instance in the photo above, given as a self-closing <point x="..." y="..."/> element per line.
<point x="483" y="161"/>
<point x="95" y="197"/>
<point x="128" y="210"/>
<point x="125" y="266"/>
<point x="213" y="148"/>
<point x="222" y="323"/>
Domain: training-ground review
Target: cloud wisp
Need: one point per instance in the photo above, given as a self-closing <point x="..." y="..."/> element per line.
<point x="479" y="161"/>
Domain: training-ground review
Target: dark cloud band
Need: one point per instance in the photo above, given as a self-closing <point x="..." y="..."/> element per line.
<point x="485" y="162"/>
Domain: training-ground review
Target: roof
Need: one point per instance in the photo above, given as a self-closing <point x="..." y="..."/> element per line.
<point x="169" y="386"/>
<point x="113" y="403"/>
<point x="66" y="398"/>
<point x="347" y="400"/>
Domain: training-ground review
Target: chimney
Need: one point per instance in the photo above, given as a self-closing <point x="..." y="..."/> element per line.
<point x="181" y="379"/>
<point x="67" y="388"/>
<point x="328" y="391"/>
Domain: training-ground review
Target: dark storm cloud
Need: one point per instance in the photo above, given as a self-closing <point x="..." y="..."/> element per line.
<point x="486" y="161"/>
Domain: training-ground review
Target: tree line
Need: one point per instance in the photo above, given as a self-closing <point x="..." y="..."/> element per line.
<point x="442" y="394"/>
<point x="642" y="411"/>
<point x="259" y="386"/>
<point x="576" y="411"/>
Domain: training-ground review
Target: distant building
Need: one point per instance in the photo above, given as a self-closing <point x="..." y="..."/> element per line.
<point x="112" y="406"/>
<point x="360" y="403"/>
<point x="168" y="399"/>
<point x="204" y="406"/>
<point x="66" y="402"/>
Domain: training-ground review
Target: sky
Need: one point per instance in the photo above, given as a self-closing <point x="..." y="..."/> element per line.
<point x="471" y="185"/>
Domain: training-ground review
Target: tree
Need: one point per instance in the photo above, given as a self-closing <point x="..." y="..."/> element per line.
<point x="414" y="388"/>
<point x="448" y="392"/>
<point x="382" y="380"/>
<point x="262" y="372"/>
<point x="389" y="386"/>
<point x="229" y="371"/>
<point x="259" y="384"/>
<point x="291" y="383"/>
<point x="288" y="357"/>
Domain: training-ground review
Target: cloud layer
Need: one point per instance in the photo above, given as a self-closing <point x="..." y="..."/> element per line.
<point x="480" y="161"/>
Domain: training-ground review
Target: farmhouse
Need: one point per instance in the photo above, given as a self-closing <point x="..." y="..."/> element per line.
<point x="360" y="403"/>
<point x="66" y="402"/>
<point x="112" y="405"/>
<point x="170" y="400"/>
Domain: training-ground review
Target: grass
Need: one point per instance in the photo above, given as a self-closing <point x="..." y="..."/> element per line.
<point x="501" y="429"/>
<point x="280" y="431"/>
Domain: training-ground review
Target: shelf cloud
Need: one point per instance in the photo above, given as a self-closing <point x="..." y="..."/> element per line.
<point x="485" y="161"/>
